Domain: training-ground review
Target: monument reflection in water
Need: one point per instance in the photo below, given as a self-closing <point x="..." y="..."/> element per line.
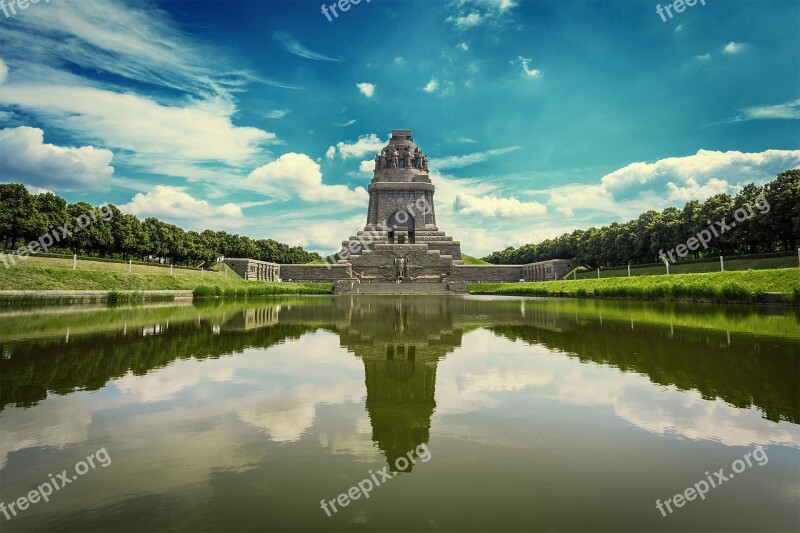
<point x="401" y="342"/>
<point x="242" y="415"/>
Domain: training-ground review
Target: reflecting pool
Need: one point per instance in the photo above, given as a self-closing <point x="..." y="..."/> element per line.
<point x="464" y="414"/>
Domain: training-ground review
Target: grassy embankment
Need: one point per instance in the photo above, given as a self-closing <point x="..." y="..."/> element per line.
<point x="469" y="260"/>
<point x="732" y="263"/>
<point x="748" y="286"/>
<point x="54" y="274"/>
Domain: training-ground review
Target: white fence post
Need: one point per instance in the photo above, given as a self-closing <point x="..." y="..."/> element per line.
<point x="130" y="266"/>
<point x="667" y="265"/>
<point x="170" y="269"/>
<point x="598" y="272"/>
<point x="721" y="264"/>
<point x="74" y="261"/>
<point x="202" y="272"/>
<point x="629" y="270"/>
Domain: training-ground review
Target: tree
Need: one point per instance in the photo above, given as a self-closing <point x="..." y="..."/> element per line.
<point x="783" y="218"/>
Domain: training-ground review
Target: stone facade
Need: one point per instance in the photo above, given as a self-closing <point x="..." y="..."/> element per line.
<point x="326" y="273"/>
<point x="541" y="271"/>
<point x="251" y="269"/>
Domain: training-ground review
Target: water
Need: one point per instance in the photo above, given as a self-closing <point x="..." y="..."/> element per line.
<point x="519" y="414"/>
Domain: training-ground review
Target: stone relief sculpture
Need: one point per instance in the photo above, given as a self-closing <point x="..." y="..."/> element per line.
<point x="386" y="159"/>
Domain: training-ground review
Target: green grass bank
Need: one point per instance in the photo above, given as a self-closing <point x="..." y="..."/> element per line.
<point x="46" y="274"/>
<point x="747" y="286"/>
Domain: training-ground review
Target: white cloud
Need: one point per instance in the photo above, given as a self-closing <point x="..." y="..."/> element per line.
<point x="297" y="175"/>
<point x="293" y="46"/>
<point x="459" y="161"/>
<point x="366" y="144"/>
<point x="159" y="135"/>
<point x="277" y="113"/>
<point x="641" y="186"/>
<point x="466" y="21"/>
<point x="462" y="46"/>
<point x="678" y="28"/>
<point x="472" y="13"/>
<point x="169" y="202"/>
<point x="3" y="71"/>
<point x="489" y="206"/>
<point x="25" y="157"/>
<point x="566" y="211"/>
<point x="788" y="110"/>
<point x="733" y="48"/>
<point x="431" y="86"/>
<point x="367" y="167"/>
<point x="399" y="60"/>
<point x="167" y="135"/>
<point x="692" y="189"/>
<point x="367" y="89"/>
<point x="330" y="153"/>
<point x="323" y="238"/>
<point x="527" y="71"/>
<point x="346" y="123"/>
<point x="703" y="57"/>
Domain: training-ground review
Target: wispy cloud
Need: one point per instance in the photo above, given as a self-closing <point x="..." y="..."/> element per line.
<point x="788" y="110"/>
<point x="527" y="71"/>
<point x="277" y="113"/>
<point x="345" y="124"/>
<point x="293" y="46"/>
<point x="459" y="161"/>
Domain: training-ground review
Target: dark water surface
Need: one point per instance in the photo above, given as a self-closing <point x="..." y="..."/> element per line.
<point x="518" y="414"/>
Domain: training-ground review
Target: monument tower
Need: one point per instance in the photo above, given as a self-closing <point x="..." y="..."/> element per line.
<point x="401" y="240"/>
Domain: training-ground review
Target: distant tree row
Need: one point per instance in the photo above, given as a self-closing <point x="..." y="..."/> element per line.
<point x="24" y="217"/>
<point x="639" y="241"/>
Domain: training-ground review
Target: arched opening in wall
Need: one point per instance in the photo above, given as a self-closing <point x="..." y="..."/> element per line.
<point x="401" y="221"/>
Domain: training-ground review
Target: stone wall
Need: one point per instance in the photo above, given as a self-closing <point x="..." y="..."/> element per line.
<point x="541" y="271"/>
<point x="487" y="273"/>
<point x="547" y="270"/>
<point x="414" y="262"/>
<point x="329" y="273"/>
<point x="250" y="269"/>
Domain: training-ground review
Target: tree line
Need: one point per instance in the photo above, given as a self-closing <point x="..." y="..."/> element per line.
<point x="639" y="241"/>
<point x="24" y="217"/>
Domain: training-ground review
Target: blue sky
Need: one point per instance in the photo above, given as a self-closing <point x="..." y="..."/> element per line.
<point x="257" y="117"/>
